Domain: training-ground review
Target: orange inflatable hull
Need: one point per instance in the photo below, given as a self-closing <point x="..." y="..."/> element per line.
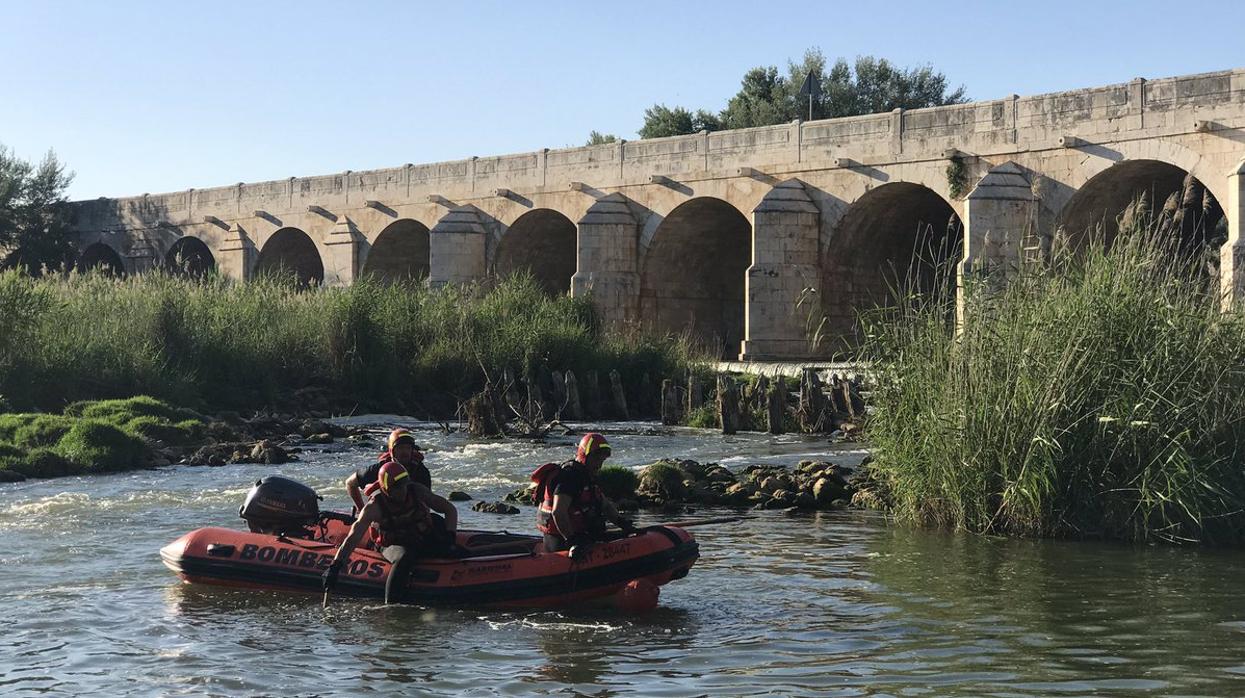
<point x="521" y="576"/>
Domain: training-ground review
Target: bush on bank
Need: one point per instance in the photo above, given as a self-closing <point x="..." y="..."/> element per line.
<point x="90" y="437"/>
<point x="1102" y="395"/>
<point x="212" y="343"/>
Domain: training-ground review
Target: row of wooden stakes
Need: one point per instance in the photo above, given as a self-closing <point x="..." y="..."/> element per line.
<point x="765" y="403"/>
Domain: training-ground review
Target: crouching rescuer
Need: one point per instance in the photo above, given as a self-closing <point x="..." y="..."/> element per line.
<point x="398" y="515"/>
<point x="572" y="511"/>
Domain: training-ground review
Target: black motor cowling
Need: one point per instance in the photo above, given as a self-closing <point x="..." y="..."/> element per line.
<point x="280" y="506"/>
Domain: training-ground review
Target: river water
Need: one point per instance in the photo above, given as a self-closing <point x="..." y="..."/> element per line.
<point x="836" y="604"/>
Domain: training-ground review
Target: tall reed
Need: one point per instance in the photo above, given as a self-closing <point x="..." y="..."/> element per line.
<point x="218" y="344"/>
<point x="1101" y="394"/>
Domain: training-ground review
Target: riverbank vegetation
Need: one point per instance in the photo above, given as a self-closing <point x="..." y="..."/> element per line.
<point x="1099" y="395"/>
<point x="92" y="437"/>
<point x="211" y="344"/>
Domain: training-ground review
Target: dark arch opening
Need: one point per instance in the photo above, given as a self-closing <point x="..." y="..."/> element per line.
<point x="191" y="257"/>
<point x="400" y="253"/>
<point x="694" y="274"/>
<point x="897" y="238"/>
<point x="1145" y="193"/>
<point x="541" y="242"/>
<point x="290" y="253"/>
<point x="102" y="259"/>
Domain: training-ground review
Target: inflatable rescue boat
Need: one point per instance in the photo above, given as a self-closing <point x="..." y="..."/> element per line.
<point x="290" y="543"/>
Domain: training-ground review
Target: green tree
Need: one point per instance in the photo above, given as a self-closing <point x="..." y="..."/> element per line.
<point x="764" y="98"/>
<point x="598" y="138"/>
<point x="875" y="85"/>
<point x="34" y="218"/>
<point x="661" y="121"/>
<point x="767" y="97"/>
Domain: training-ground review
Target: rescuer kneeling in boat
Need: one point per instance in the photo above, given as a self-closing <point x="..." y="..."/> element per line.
<point x="401" y="447"/>
<point x="572" y="510"/>
<point x="398" y="515"/>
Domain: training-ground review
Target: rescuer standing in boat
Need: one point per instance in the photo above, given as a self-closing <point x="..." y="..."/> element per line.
<point x="398" y="514"/>
<point x="572" y="510"/>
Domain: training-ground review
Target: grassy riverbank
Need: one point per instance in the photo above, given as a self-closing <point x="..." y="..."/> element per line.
<point x="216" y="345"/>
<point x="91" y="437"/>
<point x="1100" y="396"/>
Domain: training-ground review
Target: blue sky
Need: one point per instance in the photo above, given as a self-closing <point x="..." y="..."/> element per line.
<point x="152" y="97"/>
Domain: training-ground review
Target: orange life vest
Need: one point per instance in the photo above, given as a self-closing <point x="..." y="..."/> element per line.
<point x="401" y="523"/>
<point x="585" y="512"/>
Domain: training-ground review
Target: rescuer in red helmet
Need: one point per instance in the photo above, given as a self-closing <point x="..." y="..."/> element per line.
<point x="571" y="508"/>
<point x="401" y="447"/>
<point x="398" y="514"/>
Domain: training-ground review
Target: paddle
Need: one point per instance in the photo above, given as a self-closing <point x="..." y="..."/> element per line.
<point x="702" y="522"/>
<point x="695" y="522"/>
<point x="328" y="588"/>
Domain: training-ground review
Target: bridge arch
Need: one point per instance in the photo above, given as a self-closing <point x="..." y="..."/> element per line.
<point x="400" y="253"/>
<point x="542" y="242"/>
<point x="291" y="252"/>
<point x="1165" y="194"/>
<point x="897" y="237"/>
<point x="189" y="256"/>
<point x="694" y="271"/>
<point x="100" y="257"/>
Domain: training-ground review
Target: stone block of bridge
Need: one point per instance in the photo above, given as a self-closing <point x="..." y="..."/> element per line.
<point x="235" y="257"/>
<point x="456" y="248"/>
<point x="1232" y="254"/>
<point x="782" y="284"/>
<point x="607" y="260"/>
<point x="998" y="215"/>
<point x="342" y="249"/>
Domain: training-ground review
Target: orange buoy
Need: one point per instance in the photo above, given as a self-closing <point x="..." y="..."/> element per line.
<point x="639" y="596"/>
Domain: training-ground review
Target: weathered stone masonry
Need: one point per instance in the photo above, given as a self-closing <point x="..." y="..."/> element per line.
<point x="746" y="237"/>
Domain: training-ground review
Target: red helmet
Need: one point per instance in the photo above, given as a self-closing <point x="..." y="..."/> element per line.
<point x="399" y="435"/>
<point x="591" y="443"/>
<point x="390" y="474"/>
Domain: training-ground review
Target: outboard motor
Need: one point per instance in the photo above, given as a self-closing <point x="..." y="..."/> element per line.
<point x="280" y="506"/>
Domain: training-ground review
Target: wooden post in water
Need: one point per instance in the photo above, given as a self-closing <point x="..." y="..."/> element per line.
<point x="776" y="406"/>
<point x="695" y="392"/>
<point x="671" y="405"/>
<point x="574" y="410"/>
<point x="549" y="403"/>
<point x="559" y="393"/>
<point x="592" y="395"/>
<point x="619" y="396"/>
<point x="851" y="390"/>
<point x="812" y="402"/>
<point x="648" y="398"/>
<point x="535" y="398"/>
<point x="511" y="386"/>
<point x="728" y="405"/>
<point x="481" y="417"/>
<point x="757" y="402"/>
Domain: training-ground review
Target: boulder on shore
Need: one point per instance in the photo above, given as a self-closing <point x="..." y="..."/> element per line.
<point x="495" y="508"/>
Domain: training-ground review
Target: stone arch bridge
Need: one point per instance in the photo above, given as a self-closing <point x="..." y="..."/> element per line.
<point x="745" y="238"/>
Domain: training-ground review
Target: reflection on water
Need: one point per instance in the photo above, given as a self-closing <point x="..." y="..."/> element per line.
<point x="823" y="604"/>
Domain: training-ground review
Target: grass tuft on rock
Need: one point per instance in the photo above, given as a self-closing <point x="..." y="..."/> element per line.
<point x="618" y="482"/>
<point x="91" y="437"/>
<point x="665" y="479"/>
<point x="100" y="447"/>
